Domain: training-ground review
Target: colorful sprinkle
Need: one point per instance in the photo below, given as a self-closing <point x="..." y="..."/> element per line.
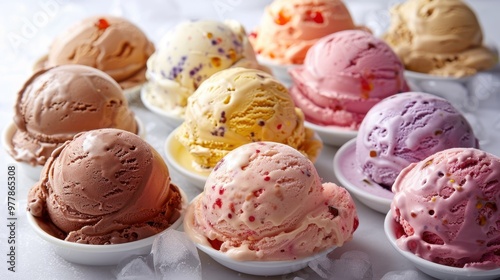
<point x="279" y="126"/>
<point x="373" y="153"/>
<point x="267" y="178"/>
<point x="261" y="123"/>
<point x="102" y="24"/>
<point x="222" y="117"/>
<point x="334" y="211"/>
<point x="216" y="62"/>
<point x="258" y="192"/>
<point x="251" y="218"/>
<point x="282" y="18"/>
<point x="218" y="202"/>
<point x="314" y="16"/>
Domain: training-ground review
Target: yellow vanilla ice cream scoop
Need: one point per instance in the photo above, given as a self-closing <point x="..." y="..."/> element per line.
<point x="239" y="106"/>
<point x="440" y="37"/>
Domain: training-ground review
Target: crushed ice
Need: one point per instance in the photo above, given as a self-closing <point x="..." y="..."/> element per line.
<point x="173" y="256"/>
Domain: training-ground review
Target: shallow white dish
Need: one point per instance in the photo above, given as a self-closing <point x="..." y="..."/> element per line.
<point x="349" y="175"/>
<point x="417" y="76"/>
<point x="89" y="254"/>
<point x="261" y="268"/>
<point x="433" y="269"/>
<point x="331" y="135"/>
<point x="171" y="120"/>
<point x="179" y="159"/>
<point x="133" y="92"/>
<point x="280" y="71"/>
<point x="33" y="171"/>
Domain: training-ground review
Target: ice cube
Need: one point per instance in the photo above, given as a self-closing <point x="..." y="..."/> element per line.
<point x="135" y="269"/>
<point x="352" y="265"/>
<point x="175" y="256"/>
<point x="405" y="274"/>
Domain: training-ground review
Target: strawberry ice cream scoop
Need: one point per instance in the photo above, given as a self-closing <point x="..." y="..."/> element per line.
<point x="407" y="128"/>
<point x="343" y="76"/>
<point x="446" y="208"/>
<point x="265" y="201"/>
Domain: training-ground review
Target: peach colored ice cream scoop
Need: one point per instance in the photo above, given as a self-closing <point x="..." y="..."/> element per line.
<point x="105" y="186"/>
<point x="265" y="201"/>
<point x="111" y="44"/>
<point x="446" y="208"/>
<point x="288" y="28"/>
<point x="344" y="75"/>
<point x="57" y="103"/>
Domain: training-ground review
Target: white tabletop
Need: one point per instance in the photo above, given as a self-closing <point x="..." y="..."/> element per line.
<point x="28" y="27"/>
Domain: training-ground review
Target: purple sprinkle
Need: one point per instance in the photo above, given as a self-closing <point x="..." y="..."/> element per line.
<point x="214" y="42"/>
<point x="222" y="117"/>
<point x="220" y="50"/>
<point x="261" y="123"/>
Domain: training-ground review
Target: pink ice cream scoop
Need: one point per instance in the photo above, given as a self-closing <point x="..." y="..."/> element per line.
<point x="446" y="208"/>
<point x="265" y="201"/>
<point x="407" y="128"/>
<point x="343" y="76"/>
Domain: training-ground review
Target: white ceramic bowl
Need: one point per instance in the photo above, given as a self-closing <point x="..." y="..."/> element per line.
<point x="280" y="71"/>
<point x="179" y="159"/>
<point x="433" y="269"/>
<point x="133" y="92"/>
<point x="349" y="175"/>
<point x="417" y="76"/>
<point x="335" y="136"/>
<point x="170" y="119"/>
<point x="89" y="254"/>
<point x="261" y="268"/>
<point x="33" y="171"/>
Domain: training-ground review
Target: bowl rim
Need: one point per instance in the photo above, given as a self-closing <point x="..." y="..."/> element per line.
<point x="351" y="144"/>
<point x="272" y="63"/>
<point x="171" y="118"/>
<point x="101" y="248"/>
<point x="331" y="129"/>
<point x="428" y="265"/>
<point x="216" y="254"/>
<point x="419" y="76"/>
<point x="193" y="176"/>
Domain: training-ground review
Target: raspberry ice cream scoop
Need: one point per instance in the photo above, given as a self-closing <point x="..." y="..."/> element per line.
<point x="446" y="208"/>
<point x="344" y="75"/>
<point x="407" y="128"/>
<point x="265" y="201"/>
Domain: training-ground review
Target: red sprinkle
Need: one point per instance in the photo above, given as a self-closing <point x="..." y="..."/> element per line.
<point x="267" y="178"/>
<point x="215" y="243"/>
<point x="221" y="191"/>
<point x="102" y="24"/>
<point x="253" y="34"/>
<point x="279" y="126"/>
<point x="218" y="202"/>
<point x="230" y="216"/>
<point x="315" y="16"/>
<point x="258" y="192"/>
<point x="251" y="218"/>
